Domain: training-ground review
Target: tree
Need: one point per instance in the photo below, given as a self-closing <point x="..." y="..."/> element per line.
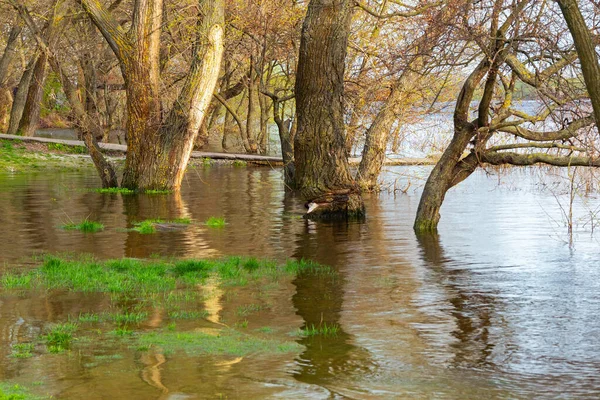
<point x="160" y="142"/>
<point x="500" y="133"/>
<point x="322" y="170"/>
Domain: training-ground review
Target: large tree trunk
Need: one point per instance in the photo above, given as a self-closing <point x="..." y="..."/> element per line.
<point x="585" y="50"/>
<point x="158" y="152"/>
<point x="322" y="170"/>
<point x="18" y="105"/>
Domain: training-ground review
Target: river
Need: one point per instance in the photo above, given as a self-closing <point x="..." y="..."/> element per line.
<point x="502" y="304"/>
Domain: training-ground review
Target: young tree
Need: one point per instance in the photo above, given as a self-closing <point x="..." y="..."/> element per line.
<point x="322" y="170"/>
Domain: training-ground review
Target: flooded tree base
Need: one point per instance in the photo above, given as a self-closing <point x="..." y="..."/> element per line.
<point x="338" y="205"/>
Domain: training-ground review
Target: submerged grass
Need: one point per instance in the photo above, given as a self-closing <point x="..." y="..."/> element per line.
<point x="215" y="222"/>
<point x="145" y="227"/>
<point x="59" y="338"/>
<point x="23" y="350"/>
<point x="85" y="226"/>
<point x="114" y="190"/>
<point x="149" y="226"/>
<point x="320" y="330"/>
<point x="15" y="392"/>
<point x="222" y="342"/>
<point x="129" y="276"/>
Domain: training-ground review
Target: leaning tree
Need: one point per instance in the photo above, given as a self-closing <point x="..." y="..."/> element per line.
<point x="523" y="46"/>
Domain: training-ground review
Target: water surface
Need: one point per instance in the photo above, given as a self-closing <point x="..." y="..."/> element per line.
<point x="499" y="305"/>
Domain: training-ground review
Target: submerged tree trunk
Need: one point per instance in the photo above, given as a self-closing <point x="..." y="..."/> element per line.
<point x="585" y="50"/>
<point x="322" y="170"/>
<point x="158" y="152"/>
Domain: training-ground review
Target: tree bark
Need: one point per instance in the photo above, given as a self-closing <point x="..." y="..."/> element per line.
<point x="158" y="152"/>
<point x="9" y="53"/>
<point x="322" y="170"/>
<point x="16" y="112"/>
<point x="442" y="177"/>
<point x="33" y="102"/>
<point x="585" y="50"/>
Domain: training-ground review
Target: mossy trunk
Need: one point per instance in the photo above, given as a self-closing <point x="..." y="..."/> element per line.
<point x="322" y="170"/>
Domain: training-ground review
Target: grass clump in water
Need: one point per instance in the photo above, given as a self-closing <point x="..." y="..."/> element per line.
<point x="149" y="226"/>
<point x="218" y="342"/>
<point x="15" y="392"/>
<point x="59" y="337"/>
<point x="85" y="226"/>
<point x="141" y="278"/>
<point x="321" y="330"/>
<point x="114" y="190"/>
<point x="215" y="222"/>
<point x="145" y="227"/>
<point x="22" y="350"/>
<point x="153" y="191"/>
<point x="188" y="314"/>
<point x="133" y="317"/>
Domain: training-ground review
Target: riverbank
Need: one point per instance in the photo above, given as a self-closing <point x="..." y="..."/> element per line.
<point x="19" y="153"/>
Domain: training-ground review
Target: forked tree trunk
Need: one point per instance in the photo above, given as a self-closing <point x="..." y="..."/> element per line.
<point x="158" y="152"/>
<point x="445" y="173"/>
<point x="322" y="170"/>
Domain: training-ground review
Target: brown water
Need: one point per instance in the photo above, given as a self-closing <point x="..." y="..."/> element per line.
<point x="498" y="306"/>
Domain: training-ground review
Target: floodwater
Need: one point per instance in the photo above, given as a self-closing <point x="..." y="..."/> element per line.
<point x="499" y="305"/>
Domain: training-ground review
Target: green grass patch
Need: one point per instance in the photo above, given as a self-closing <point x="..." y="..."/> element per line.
<point x="16" y="392"/>
<point x="63" y="148"/>
<point x="13" y="281"/>
<point x="145" y="227"/>
<point x="132" y="317"/>
<point x="223" y="342"/>
<point x="59" y="338"/>
<point x="240" y="163"/>
<point x="215" y="222"/>
<point x="134" y="278"/>
<point x="149" y="226"/>
<point x="320" y="330"/>
<point x="85" y="226"/>
<point x="114" y="190"/>
<point x="23" y="350"/>
<point x="182" y="314"/>
<point x="245" y="310"/>
<point x="152" y="191"/>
